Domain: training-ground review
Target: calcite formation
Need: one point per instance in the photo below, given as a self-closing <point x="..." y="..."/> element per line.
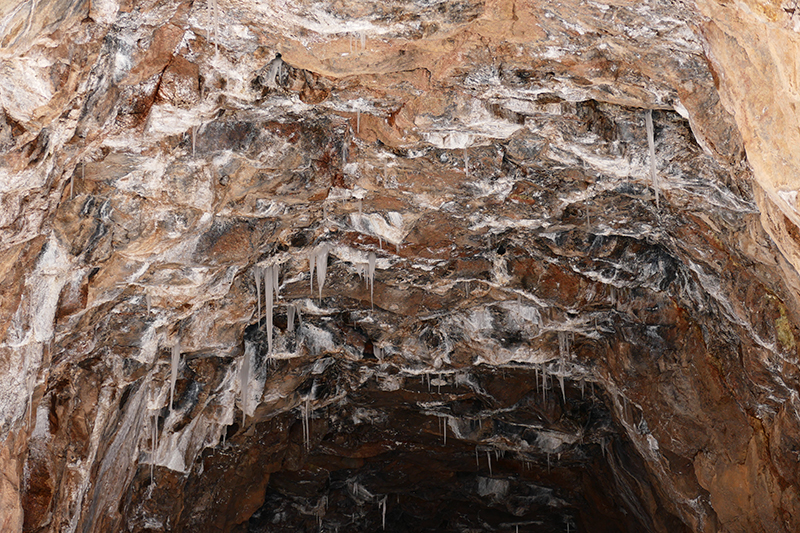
<point x="409" y="265"/>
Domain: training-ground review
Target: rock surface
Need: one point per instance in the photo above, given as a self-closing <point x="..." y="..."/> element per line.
<point x="413" y="266"/>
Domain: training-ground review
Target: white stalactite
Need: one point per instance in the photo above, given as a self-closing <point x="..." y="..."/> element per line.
<point x="290" y="312"/>
<point x="269" y="292"/>
<point x="312" y="261"/>
<point x="322" y="267"/>
<point x="173" y="377"/>
<point x="371" y="278"/>
<point x="257" y="276"/>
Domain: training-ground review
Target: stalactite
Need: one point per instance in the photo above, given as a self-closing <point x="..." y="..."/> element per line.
<point x="275" y="280"/>
<point x="312" y="260"/>
<point x="257" y="276"/>
<point x="173" y="377"/>
<point x="290" y="312"/>
<point x="371" y="279"/>
<point x="306" y="424"/>
<point x="216" y="27"/>
<point x="544" y="383"/>
<point x="154" y="445"/>
<point x="322" y="267"/>
<point x="269" y="292"/>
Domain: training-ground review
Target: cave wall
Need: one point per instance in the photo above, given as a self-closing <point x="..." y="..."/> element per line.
<point x="550" y="337"/>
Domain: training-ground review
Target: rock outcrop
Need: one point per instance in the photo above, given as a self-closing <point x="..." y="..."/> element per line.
<point x="413" y="266"/>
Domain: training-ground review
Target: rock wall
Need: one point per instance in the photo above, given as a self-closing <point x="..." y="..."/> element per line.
<point x="410" y="265"/>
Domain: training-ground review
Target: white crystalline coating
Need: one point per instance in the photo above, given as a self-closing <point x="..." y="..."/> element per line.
<point x="317" y="340"/>
<point x="390" y="383"/>
<point x="790" y="197"/>
<point x="31" y="88"/>
<point x="166" y="119"/>
<point x="173" y="376"/>
<point x="179" y="445"/>
<point x="652" y="443"/>
<point x="371" y="277"/>
<point x="481" y="319"/>
<point x="274" y="72"/>
<point x="552" y="441"/>
<point x="42" y="428"/>
<point x="35" y="316"/>
<point x="449" y="139"/>
<point x="496" y="488"/>
<point x="651" y="146"/>
<point x="392" y="230"/>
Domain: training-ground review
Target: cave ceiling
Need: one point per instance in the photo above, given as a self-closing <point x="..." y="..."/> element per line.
<point x="413" y="265"/>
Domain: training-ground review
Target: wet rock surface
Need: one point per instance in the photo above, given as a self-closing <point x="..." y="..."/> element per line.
<point x="401" y="266"/>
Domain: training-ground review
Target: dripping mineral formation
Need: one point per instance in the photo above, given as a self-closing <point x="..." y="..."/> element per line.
<point x="409" y="266"/>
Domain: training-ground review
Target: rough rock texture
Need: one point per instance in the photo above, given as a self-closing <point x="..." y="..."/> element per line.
<point x="401" y="265"/>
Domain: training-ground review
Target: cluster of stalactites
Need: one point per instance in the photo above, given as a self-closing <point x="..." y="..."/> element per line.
<point x="367" y="270"/>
